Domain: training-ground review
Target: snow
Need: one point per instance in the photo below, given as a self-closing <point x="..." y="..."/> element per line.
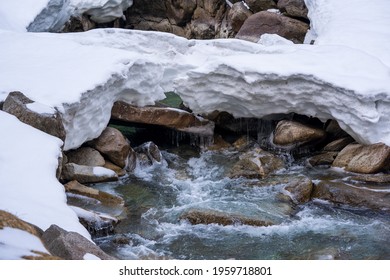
<point x="29" y="188"/>
<point x="102" y="172"/>
<point x="92" y="257"/>
<point x="41" y="108"/>
<point x="16" y="244"/>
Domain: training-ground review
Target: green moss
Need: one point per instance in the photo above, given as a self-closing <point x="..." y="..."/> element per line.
<point x="171" y="100"/>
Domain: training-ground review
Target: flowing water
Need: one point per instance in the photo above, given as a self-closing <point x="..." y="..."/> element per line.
<point x="156" y="197"/>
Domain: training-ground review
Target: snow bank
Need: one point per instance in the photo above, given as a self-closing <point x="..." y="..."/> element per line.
<point x="29" y="188"/>
<point x="51" y="15"/>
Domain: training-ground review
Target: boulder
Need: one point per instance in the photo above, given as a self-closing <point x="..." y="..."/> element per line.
<point x="371" y="178"/>
<point x="238" y="15"/>
<point x="272" y="23"/>
<point x="260" y="5"/>
<point x="292" y="133"/>
<point x="71" y="245"/>
<point x="168" y="117"/>
<point x="113" y="145"/>
<point x="85" y="156"/>
<point x="338" y="145"/>
<point x="119" y="171"/>
<point x="106" y="198"/>
<point x="300" y="189"/>
<point x="87" y="174"/>
<point x="367" y="159"/>
<point x="293" y="8"/>
<point x="322" y="159"/>
<point x="256" y="163"/>
<point x="196" y="217"/>
<point x="353" y="195"/>
<point x="40" y="116"/>
<point x="150" y="151"/>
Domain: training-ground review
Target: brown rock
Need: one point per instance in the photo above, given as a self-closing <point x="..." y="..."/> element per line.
<point x="293" y="8"/>
<point x="293" y="133"/>
<point x="87" y="174"/>
<point x="238" y="15"/>
<point x="17" y="104"/>
<point x="219" y="144"/>
<point x="260" y="5"/>
<point x="256" y="163"/>
<point x="106" y="198"/>
<point x="112" y="144"/>
<point x="85" y="156"/>
<point x="119" y="171"/>
<point x="322" y="159"/>
<point x="272" y="23"/>
<point x="151" y="151"/>
<point x="338" y="145"/>
<point x="172" y="118"/>
<point x="78" y="24"/>
<point x="343" y="193"/>
<point x="300" y="189"/>
<point x="196" y="217"/>
<point x="375" y="178"/>
<point x="364" y="158"/>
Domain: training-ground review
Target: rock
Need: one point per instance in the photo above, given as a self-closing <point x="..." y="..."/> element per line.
<point x="151" y="151"/>
<point x="338" y="145"/>
<point x="131" y="161"/>
<point x="364" y="158"/>
<point x="97" y="224"/>
<point x="353" y="195"/>
<point x="260" y="5"/>
<point x="300" y="189"/>
<point x="169" y="117"/>
<point x="238" y="15"/>
<point x="8" y="220"/>
<point x="322" y="159"/>
<point x="293" y="8"/>
<point x="291" y="133"/>
<point x="219" y="144"/>
<point x="376" y="178"/>
<point x="106" y="198"/>
<point x="119" y="171"/>
<point x="334" y="130"/>
<point x="78" y="24"/>
<point x="256" y="163"/>
<point x="86" y="156"/>
<point x="196" y="217"/>
<point x="40" y="116"/>
<point x="243" y="143"/>
<point x="112" y="144"/>
<point x="70" y="245"/>
<point x="87" y="174"/>
<point x="272" y="23"/>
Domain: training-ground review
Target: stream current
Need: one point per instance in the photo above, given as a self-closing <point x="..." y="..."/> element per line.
<point x="156" y="196"/>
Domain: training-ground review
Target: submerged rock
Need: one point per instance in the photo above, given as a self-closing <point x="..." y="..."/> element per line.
<point x="300" y="189"/>
<point x="87" y="174"/>
<point x="271" y="23"/>
<point x="71" y="245"/>
<point x="353" y="195"/>
<point x="364" y="158"/>
<point x="256" y="163"/>
<point x="112" y="144"/>
<point x="85" y="156"/>
<point x="40" y="116"/>
<point x="292" y="133"/>
<point x="196" y="217"/>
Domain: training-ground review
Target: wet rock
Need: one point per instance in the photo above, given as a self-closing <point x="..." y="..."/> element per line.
<point x="256" y="163"/>
<point x="322" y="159"/>
<point x="300" y="189"/>
<point x="131" y="161"/>
<point x="86" y="156"/>
<point x="364" y="158"/>
<point x="293" y="8"/>
<point x="196" y="217"/>
<point x="40" y="116"/>
<point x="238" y="15"/>
<point x="87" y="174"/>
<point x="376" y="178"/>
<point x="260" y="5"/>
<point x="353" y="195"/>
<point x="168" y="117"/>
<point x="338" y="145"/>
<point x="148" y="152"/>
<point x="77" y="188"/>
<point x="113" y="145"/>
<point x="244" y="143"/>
<point x="292" y="133"/>
<point x="219" y="144"/>
<point x="70" y="245"/>
<point x="272" y="23"/>
<point x="97" y="224"/>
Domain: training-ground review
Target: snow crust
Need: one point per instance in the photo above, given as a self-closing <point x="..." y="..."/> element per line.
<point x="51" y="15"/>
<point x="16" y="244"/>
<point x="41" y="108"/>
<point x="102" y="171"/>
<point x="91" y="257"/>
<point x="29" y="188"/>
